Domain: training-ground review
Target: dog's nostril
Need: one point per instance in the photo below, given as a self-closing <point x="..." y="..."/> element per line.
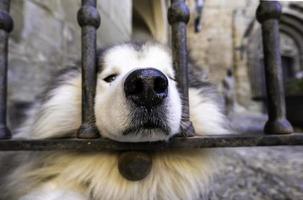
<point x="136" y="87"/>
<point x="160" y="84"/>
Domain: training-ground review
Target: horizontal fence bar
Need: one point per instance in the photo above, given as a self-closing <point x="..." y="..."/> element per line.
<point x="101" y="144"/>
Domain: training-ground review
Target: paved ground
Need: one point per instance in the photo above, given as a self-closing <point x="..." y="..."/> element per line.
<point x="261" y="173"/>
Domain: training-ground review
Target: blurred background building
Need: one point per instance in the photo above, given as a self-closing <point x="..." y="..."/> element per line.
<point x="46" y="38"/>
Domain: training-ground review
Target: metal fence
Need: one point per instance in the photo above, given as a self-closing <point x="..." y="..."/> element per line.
<point x="277" y="131"/>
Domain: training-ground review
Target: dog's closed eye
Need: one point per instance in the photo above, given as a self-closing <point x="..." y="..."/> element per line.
<point x="110" y="78"/>
<point x="171" y="78"/>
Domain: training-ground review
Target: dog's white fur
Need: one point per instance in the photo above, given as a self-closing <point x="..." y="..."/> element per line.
<point x="175" y="174"/>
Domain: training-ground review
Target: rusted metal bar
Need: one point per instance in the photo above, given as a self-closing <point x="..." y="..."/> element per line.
<point x="178" y="17"/>
<point x="268" y="14"/>
<point x="102" y="144"/>
<point x="6" y="26"/>
<point x="89" y="20"/>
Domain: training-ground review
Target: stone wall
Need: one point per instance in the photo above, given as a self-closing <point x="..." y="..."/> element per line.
<point x="230" y="38"/>
<point x="219" y="45"/>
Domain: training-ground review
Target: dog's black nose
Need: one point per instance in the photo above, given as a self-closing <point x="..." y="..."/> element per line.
<point x="146" y="87"/>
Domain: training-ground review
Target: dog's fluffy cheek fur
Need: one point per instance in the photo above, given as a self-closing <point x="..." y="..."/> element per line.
<point x="51" y="191"/>
<point x="111" y="106"/>
<point x="59" y="114"/>
<point x="174" y="109"/>
<point x="176" y="175"/>
<point x="205" y="114"/>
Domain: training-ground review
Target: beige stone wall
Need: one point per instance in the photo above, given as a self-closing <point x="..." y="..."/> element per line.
<point x="219" y="45"/>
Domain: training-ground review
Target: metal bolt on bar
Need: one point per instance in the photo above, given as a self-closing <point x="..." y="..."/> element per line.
<point x="89" y="20"/>
<point x="178" y="17"/>
<point x="268" y="14"/>
<point x="6" y="26"/>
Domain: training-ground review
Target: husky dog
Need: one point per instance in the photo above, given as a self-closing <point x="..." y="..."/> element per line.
<point x="136" y="101"/>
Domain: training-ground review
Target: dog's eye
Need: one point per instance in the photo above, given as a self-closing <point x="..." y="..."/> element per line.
<point x="110" y="78"/>
<point x="171" y="78"/>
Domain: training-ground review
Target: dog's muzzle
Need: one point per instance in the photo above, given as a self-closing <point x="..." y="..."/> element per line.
<point x="146" y="87"/>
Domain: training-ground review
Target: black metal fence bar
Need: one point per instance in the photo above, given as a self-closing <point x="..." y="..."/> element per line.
<point x="101" y="144"/>
<point x="178" y="16"/>
<point x="268" y="14"/>
<point x="6" y="26"/>
<point x="89" y="20"/>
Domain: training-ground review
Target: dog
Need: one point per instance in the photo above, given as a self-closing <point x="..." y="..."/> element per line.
<point x="137" y="100"/>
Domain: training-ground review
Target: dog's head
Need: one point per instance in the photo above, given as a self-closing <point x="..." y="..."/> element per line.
<point x="137" y="98"/>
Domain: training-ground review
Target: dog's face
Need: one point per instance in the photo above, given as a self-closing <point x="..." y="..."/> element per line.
<point x="137" y="98"/>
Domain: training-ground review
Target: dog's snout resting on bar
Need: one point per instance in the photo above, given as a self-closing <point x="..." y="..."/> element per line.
<point x="146" y="91"/>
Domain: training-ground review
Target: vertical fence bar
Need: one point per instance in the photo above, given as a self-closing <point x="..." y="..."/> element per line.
<point x="89" y="20"/>
<point x="6" y="26"/>
<point x="178" y="17"/>
<point x="268" y="14"/>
